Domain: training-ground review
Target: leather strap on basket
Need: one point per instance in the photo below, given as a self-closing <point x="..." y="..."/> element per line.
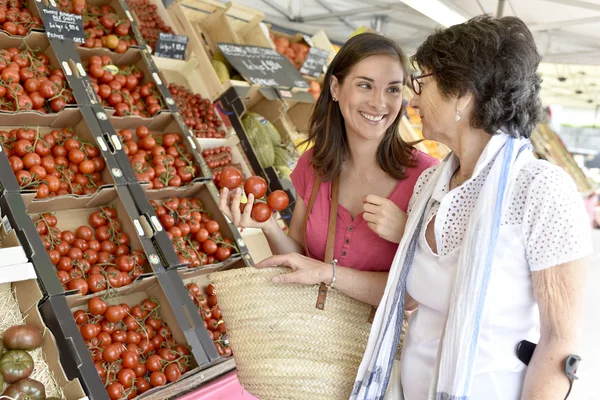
<point x="329" y="247"/>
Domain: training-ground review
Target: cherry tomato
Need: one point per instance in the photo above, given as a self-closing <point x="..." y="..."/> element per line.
<point x="115" y="390"/>
<point x="172" y="372"/>
<point x="97" y="306"/>
<point x="126" y="377"/>
<point x="154" y="363"/>
<point x="209" y="247"/>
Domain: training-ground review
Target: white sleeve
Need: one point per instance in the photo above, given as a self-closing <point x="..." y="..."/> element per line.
<point x="423" y="179"/>
<point x="556" y="226"/>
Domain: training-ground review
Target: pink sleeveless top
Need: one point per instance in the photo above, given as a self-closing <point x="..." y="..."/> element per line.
<point x="356" y="245"/>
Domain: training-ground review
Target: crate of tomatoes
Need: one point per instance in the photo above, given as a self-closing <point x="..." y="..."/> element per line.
<point x="161" y="155"/>
<point x="30" y="365"/>
<point x="136" y="340"/>
<point x="56" y="155"/>
<point x="94" y="244"/>
<point x="198" y="232"/>
<point x="32" y="78"/>
<point x="221" y="153"/>
<point x="20" y="18"/>
<point x="106" y="23"/>
<point x="123" y="84"/>
<point x="206" y="300"/>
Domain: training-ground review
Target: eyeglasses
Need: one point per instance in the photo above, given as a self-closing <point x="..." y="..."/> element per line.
<point x="416" y="84"/>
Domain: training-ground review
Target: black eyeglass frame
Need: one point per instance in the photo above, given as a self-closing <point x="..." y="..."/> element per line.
<point x="416" y="84"/>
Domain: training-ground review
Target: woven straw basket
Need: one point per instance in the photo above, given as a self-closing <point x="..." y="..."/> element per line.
<point x="284" y="347"/>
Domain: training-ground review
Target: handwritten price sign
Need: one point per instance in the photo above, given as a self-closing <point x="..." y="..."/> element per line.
<point x="63" y="26"/>
<point x="171" y="46"/>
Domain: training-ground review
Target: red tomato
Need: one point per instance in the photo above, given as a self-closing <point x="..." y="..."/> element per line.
<point x="278" y="200"/>
<point x="261" y="212"/>
<point x="255" y="185"/>
<point x="231" y="177"/>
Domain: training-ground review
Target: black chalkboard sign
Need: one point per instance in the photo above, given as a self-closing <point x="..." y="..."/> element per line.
<point x="62" y="25"/>
<point x="263" y="66"/>
<point x="171" y="46"/>
<point x="315" y="60"/>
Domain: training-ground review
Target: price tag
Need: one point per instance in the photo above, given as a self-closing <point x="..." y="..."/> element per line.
<point x="315" y="60"/>
<point x="263" y="66"/>
<point x="171" y="46"/>
<point x="63" y="26"/>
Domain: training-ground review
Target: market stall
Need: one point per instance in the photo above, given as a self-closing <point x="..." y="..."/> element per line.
<point x="116" y="140"/>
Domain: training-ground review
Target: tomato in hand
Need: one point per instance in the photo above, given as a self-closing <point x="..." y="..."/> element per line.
<point x="231" y="177"/>
<point x="256" y="186"/>
<point x="261" y="212"/>
<point x="278" y="200"/>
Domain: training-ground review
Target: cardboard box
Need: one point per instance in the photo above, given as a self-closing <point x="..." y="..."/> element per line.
<point x="74" y="212"/>
<point x="153" y="288"/>
<point x="163" y="124"/>
<point x="237" y="153"/>
<point x="41" y="45"/>
<point x="21" y="298"/>
<point x="208" y="22"/>
<point x="132" y="57"/>
<point x="208" y="195"/>
<point x="68" y="118"/>
<point x="12" y="256"/>
<point x="124" y="14"/>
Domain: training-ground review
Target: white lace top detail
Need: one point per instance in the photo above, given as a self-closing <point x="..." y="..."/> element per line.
<point x="545" y="202"/>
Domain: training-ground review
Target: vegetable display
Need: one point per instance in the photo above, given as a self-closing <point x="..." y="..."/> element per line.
<point x="133" y="349"/>
<point x="196" y="237"/>
<point x="160" y="159"/>
<point x="16" y="364"/>
<point x="121" y="88"/>
<point x="55" y="163"/>
<point x="94" y="258"/>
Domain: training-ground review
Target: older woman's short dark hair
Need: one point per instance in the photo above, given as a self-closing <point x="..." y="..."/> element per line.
<point x="494" y="59"/>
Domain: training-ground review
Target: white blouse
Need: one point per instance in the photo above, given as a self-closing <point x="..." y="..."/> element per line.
<point x="544" y="225"/>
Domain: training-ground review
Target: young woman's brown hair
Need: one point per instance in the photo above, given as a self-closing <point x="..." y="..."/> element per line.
<point x="327" y="128"/>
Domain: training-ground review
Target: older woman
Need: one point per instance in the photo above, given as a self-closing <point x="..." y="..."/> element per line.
<point x="496" y="244"/>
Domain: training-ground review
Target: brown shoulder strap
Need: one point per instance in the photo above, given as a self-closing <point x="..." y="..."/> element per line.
<point x="330" y="244"/>
<point x="309" y="207"/>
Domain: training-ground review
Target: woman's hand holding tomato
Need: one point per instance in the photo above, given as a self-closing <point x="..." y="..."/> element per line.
<point x="238" y="213"/>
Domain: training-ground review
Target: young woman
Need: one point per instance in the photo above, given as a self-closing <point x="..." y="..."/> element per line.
<point x="354" y="129"/>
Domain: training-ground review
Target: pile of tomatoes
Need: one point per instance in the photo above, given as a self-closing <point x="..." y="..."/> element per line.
<point x="151" y="24"/>
<point x="132" y="347"/>
<point x="17" y="364"/>
<point x="160" y="159"/>
<point x="121" y="88"/>
<point x="28" y="82"/>
<point x="198" y="114"/>
<point x="217" y="158"/>
<point x="231" y="178"/>
<point x="54" y="163"/>
<point x="195" y="236"/>
<point x="103" y="26"/>
<point x="208" y="306"/>
<point x="95" y="257"/>
<point x="16" y="19"/>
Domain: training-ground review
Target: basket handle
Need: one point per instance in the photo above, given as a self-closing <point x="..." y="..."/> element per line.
<point x="329" y="247"/>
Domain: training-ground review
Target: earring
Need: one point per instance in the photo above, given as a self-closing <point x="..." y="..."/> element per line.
<point x="457" y="116"/>
<point x="334" y="99"/>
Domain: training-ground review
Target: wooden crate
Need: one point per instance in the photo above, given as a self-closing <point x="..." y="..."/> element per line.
<point x="208" y="22"/>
